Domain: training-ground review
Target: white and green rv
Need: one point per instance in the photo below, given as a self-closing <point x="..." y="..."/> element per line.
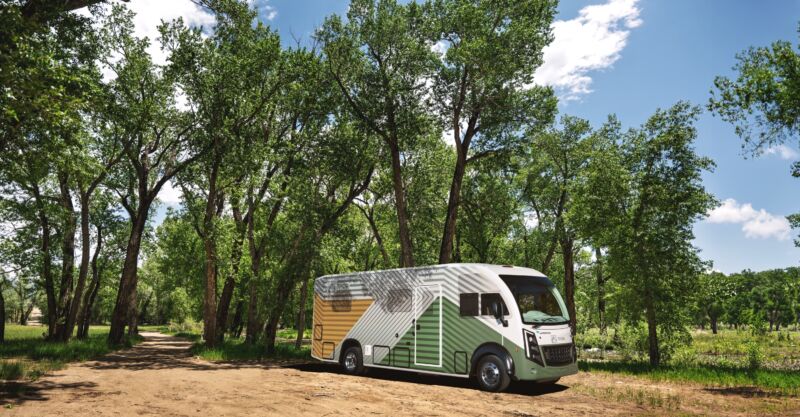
<point x="494" y="323"/>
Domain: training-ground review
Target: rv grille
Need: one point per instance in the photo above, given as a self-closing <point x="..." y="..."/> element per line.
<point x="558" y="355"/>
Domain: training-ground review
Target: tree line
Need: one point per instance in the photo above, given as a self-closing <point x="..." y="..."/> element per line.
<point x="405" y="134"/>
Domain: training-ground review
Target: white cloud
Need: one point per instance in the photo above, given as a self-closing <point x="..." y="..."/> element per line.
<point x="265" y="10"/>
<point x="592" y="41"/>
<point x="170" y="195"/>
<point x="756" y="224"/>
<point x="151" y="13"/>
<point x="783" y="151"/>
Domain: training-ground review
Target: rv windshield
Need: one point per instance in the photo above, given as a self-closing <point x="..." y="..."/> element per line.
<point x="537" y="299"/>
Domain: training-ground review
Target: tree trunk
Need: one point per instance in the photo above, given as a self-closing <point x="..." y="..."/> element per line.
<point x="652" y="334"/>
<point x="86" y="311"/>
<point x="26" y="314"/>
<point x="548" y="258"/>
<point x="2" y="314"/>
<point x="47" y="262"/>
<point x="129" y="277"/>
<point x="84" y="267"/>
<point x="601" y="291"/>
<point x="569" y="281"/>
<point x="252" y="310"/>
<point x="65" y="293"/>
<point x="133" y="315"/>
<point x="236" y="326"/>
<point x="446" y="250"/>
<point x="369" y="214"/>
<point x="713" y="319"/>
<point x="230" y="283"/>
<point x="301" y="314"/>
<point x="210" y="246"/>
<point x="406" y="248"/>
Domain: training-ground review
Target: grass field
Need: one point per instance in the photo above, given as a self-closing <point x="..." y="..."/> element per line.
<point x="26" y="355"/>
<point x="769" y="364"/>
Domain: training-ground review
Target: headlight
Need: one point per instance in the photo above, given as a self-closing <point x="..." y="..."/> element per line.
<point x="532" y="347"/>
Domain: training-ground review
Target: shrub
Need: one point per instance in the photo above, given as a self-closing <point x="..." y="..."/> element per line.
<point x="11" y="370"/>
<point x="188" y="326"/>
<point x="755" y="357"/>
<point x="631" y="341"/>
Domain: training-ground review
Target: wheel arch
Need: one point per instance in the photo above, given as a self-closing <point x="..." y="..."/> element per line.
<point x="491" y="348"/>
<point x="347" y="344"/>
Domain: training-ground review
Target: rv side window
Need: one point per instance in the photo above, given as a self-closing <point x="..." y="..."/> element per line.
<point x="469" y="304"/>
<point x="486" y="304"/>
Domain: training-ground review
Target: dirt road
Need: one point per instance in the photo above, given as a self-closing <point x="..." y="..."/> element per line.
<point x="160" y="377"/>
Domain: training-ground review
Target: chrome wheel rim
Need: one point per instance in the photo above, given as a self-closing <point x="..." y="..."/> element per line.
<point x="490" y="374"/>
<point x="350" y="361"/>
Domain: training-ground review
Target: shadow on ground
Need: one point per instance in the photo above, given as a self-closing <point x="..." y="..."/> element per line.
<point x="517" y="387"/>
<point x="17" y="393"/>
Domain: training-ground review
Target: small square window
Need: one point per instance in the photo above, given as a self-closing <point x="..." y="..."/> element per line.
<point x="469" y="304"/>
<point x="486" y="304"/>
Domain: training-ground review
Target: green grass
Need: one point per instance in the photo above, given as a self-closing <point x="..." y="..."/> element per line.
<point x="26" y="355"/>
<point x="237" y="350"/>
<point x="291" y="334"/>
<point x="769" y="381"/>
<point x="778" y="347"/>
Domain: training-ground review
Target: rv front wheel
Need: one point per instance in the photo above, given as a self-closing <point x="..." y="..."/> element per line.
<point x="353" y="362"/>
<point x="492" y="374"/>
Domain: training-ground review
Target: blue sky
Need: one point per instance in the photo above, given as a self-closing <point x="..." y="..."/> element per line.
<point x="631" y="57"/>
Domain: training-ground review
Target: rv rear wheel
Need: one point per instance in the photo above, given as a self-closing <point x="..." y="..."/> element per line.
<point x="492" y="374"/>
<point x="352" y="361"/>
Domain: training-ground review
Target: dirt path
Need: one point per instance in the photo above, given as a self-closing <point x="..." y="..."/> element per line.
<point x="160" y="377"/>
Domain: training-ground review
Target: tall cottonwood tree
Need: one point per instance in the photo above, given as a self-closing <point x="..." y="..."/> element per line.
<point x="483" y="90"/>
<point x="598" y="195"/>
<point x="650" y="249"/>
<point x="155" y="137"/>
<point x="380" y="60"/>
<point x="230" y="80"/>
<point x="557" y="158"/>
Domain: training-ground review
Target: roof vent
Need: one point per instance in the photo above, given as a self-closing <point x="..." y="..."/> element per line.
<point x="508" y="266"/>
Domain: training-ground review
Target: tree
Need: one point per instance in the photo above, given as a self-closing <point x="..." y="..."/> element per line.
<point x="714" y="290"/>
<point x="242" y="72"/>
<point x="157" y="142"/>
<point x="651" y="254"/>
<point x="598" y="195"/>
<point x="483" y="93"/>
<point x="379" y="61"/>
<point x="556" y="159"/>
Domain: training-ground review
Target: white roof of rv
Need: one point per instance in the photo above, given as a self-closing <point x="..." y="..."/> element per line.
<point x="498" y="269"/>
<point x="511" y="270"/>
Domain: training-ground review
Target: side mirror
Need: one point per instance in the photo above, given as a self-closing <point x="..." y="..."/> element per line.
<point x="497" y="312"/>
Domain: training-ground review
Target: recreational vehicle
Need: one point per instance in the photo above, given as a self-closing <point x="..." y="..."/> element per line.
<point x="494" y="323"/>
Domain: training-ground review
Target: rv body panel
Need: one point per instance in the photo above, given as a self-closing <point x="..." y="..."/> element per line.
<point x="411" y="319"/>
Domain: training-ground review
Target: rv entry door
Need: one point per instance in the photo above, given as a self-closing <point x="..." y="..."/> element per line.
<point x="428" y="325"/>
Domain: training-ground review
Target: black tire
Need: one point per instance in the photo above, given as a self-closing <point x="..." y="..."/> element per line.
<point x="353" y="361"/>
<point x="492" y="374"/>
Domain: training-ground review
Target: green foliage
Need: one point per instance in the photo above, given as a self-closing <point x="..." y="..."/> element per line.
<point x="755" y="356"/>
